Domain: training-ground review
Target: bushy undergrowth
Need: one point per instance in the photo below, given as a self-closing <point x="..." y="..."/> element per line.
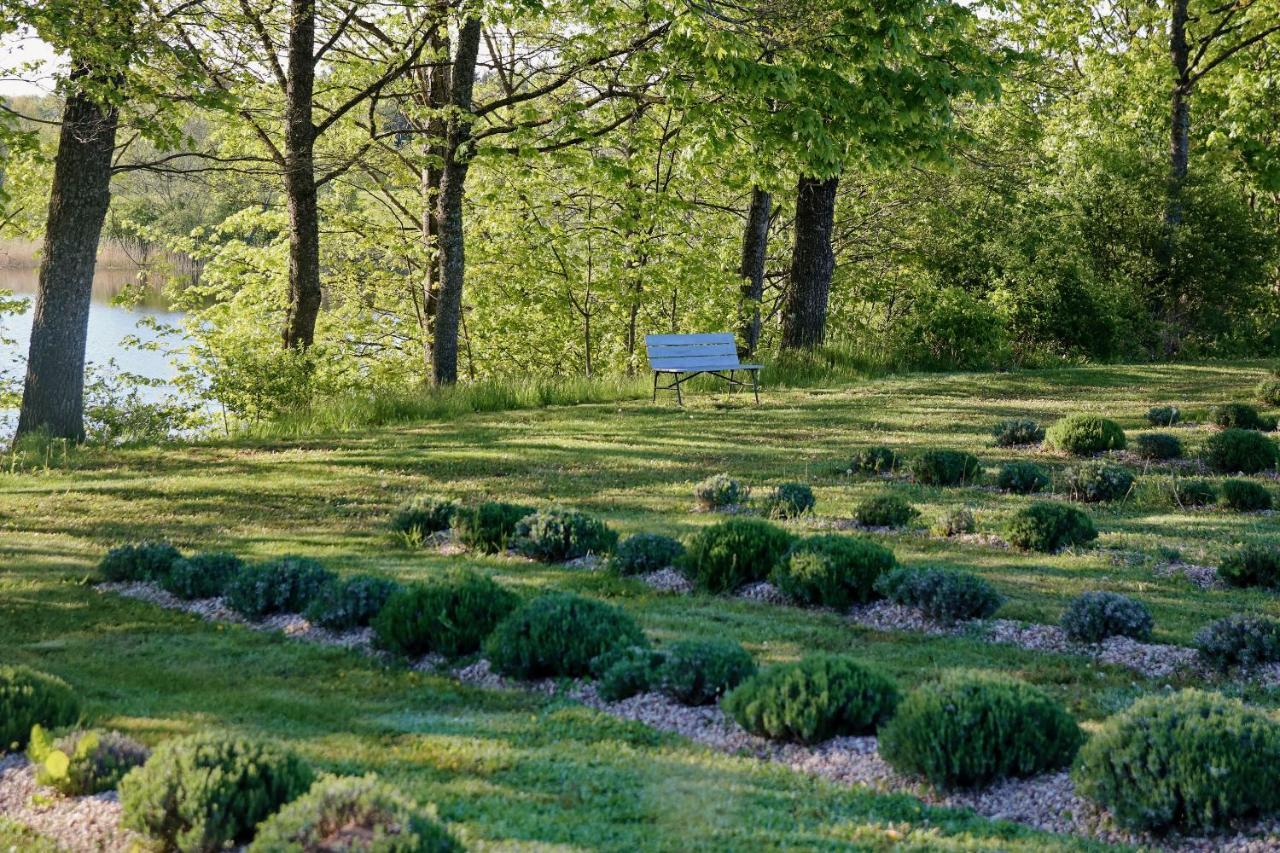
<point x="885" y="511"/>
<point x="1238" y="416"/>
<point x="1163" y="416"/>
<point x="350" y="602"/>
<point x="645" y="552"/>
<point x="1158" y="446"/>
<point x="946" y="468"/>
<point x="1099" y="482"/>
<point x="559" y="634"/>
<point x="1241" y="451"/>
<point x="1244" y="496"/>
<point x="874" y="460"/>
<point x="1084" y="435"/>
<point x="972" y="729"/>
<point x="788" y="500"/>
<point x="203" y="575"/>
<point x="422" y="515"/>
<point x="733" y="552"/>
<point x="85" y="761"/>
<point x="719" y="491"/>
<point x="944" y="595"/>
<point x="1192" y="761"/>
<point x="1255" y="564"/>
<point x="1021" y="478"/>
<point x="449" y="615"/>
<point x="140" y="561"/>
<point x="699" y="672"/>
<point x="819" y="697"/>
<point x="205" y="792"/>
<point x="285" y="585"/>
<point x="1269" y="391"/>
<point x="556" y="535"/>
<point x="832" y="570"/>
<point x="1194" y="493"/>
<point x="29" y="698"/>
<point x="488" y="526"/>
<point x="1240" y="639"/>
<point x="957" y="522"/>
<point x="1094" y="616"/>
<point x="1016" y="432"/>
<point x="1047" y="527"/>
<point x="625" y="671"/>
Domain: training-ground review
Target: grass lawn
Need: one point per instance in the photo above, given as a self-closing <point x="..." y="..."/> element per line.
<point x="517" y="771"/>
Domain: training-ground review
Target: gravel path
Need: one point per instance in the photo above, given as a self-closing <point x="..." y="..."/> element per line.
<point x="76" y="823"/>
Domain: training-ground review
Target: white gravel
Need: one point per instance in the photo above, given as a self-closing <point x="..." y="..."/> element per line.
<point x="76" y="823"/>
<point x="667" y="580"/>
<point x="762" y="591"/>
<point x="1205" y="577"/>
<point x="588" y="562"/>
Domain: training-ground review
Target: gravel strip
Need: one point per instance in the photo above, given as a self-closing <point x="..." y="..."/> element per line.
<point x="76" y="823"/>
<point x="762" y="591"/>
<point x="989" y="540"/>
<point x="1205" y="577"/>
<point x="667" y="580"/>
<point x="589" y="562"/>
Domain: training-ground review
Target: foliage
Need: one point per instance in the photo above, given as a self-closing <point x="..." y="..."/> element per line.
<point x="488" y="526"/>
<point x="1192" y="761"/>
<point x="733" y="552"/>
<point x="719" y="491"/>
<point x="353" y="813"/>
<point x="422" y="515"/>
<point x="1194" y="493"/>
<point x="1252" y="565"/>
<point x="1269" y="391"/>
<point x="555" y="535"/>
<point x="85" y="761"/>
<point x="1022" y="478"/>
<point x="204" y="792"/>
<point x="788" y="500"/>
<point x="957" y="522"/>
<point x="625" y="671"/>
<point x="832" y="570"/>
<point x="1243" y="451"/>
<point x="1017" y="431"/>
<point x="1050" y="526"/>
<point x="1244" y="496"/>
<point x="202" y="575"/>
<point x="1098" y="481"/>
<point x="816" y="698"/>
<point x="1083" y="435"/>
<point x="450" y="615"/>
<point x="875" y="460"/>
<point x="1158" y="446"/>
<point x="1093" y="616"/>
<point x="284" y="585"/>
<point x="350" y="602"/>
<point x="698" y="672"/>
<point x="946" y="468"/>
<point x="971" y="729"/>
<point x="1163" y="416"/>
<point x="1238" y="416"/>
<point x="29" y="698"/>
<point x="559" y="634"/>
<point x="1240" y="639"/>
<point x="142" y="561"/>
<point x="943" y="595"/>
<point x="885" y="511"/>
<point x="645" y="552"/>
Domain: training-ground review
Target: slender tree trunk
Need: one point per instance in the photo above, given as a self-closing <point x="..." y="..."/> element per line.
<point x="804" y="317"/>
<point x="433" y="93"/>
<point x="1179" y="113"/>
<point x="452" y="184"/>
<point x="755" y="248"/>
<point x="300" y="180"/>
<point x="53" y="395"/>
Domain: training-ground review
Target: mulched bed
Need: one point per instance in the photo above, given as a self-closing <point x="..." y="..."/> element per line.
<point x="77" y="823"/>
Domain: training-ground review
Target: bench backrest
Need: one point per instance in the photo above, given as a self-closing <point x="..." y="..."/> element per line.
<point x="714" y="351"/>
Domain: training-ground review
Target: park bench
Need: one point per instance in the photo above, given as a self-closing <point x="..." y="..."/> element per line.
<point x="686" y="356"/>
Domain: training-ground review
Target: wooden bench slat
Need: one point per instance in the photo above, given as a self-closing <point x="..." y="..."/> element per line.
<point x="689" y="340"/>
<point x="712" y="352"/>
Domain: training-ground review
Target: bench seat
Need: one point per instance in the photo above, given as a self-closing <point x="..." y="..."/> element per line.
<point x="687" y="356"/>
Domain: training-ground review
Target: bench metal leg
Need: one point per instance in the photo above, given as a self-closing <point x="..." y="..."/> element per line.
<point x="755" y="385"/>
<point x="655" y="386"/>
<point x="731" y="382"/>
<point x="679" y="399"/>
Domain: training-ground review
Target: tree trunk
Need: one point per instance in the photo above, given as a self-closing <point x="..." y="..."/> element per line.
<point x="452" y="184"/>
<point x="300" y="180"/>
<point x="755" y="248"/>
<point x="53" y="395"/>
<point x="804" y="317"/>
<point x="1179" y="114"/>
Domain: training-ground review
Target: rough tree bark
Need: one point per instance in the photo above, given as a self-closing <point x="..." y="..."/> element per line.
<point x="300" y="179"/>
<point x="53" y="395"/>
<point x="452" y="186"/>
<point x="1179" y="114"/>
<point x="755" y="248"/>
<point x="804" y="317"/>
<point x="433" y="94"/>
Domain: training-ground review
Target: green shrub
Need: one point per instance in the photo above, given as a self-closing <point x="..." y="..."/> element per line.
<point x="698" y="672"/>
<point x="30" y="698"/>
<point x="204" y="575"/>
<point x="1158" y="446"/>
<point x="1252" y="565"/>
<point x="286" y="585"/>
<point x="85" y="761"/>
<point x="946" y="468"/>
<point x="1269" y="391"/>
<point x="1021" y="478"/>
<point x="422" y="515"/>
<point x="487" y="527"/>
<point x="1084" y="435"/>
<point x="832" y="570"/>
<point x="625" y="671"/>
<point x="450" y="615"/>
<point x="719" y="491"/>
<point x="941" y="594"/>
<point x="1092" y="617"/>
<point x="645" y="552"/>
<point x="875" y="460"/>
<point x="1239" y="640"/>
<point x="819" y="697"/>
<point x="556" y="535"/>
<point x="203" y="792"/>
<point x="1017" y="431"/>
<point x="353" y="813"/>
<point x="789" y="500"/>
<point x="736" y="551"/>
<point x="1240" y="450"/>
<point x="1163" y="416"/>
<point x="1193" y="493"/>
<point x="956" y="522"/>
<point x="1245" y="496"/>
<point x="1191" y="761"/>
<point x="350" y="602"/>
<point x="1046" y="526"/>
<point x="559" y="634"/>
<point x="971" y="729"/>
<point x="141" y="561"/>
<point x="885" y="511"/>
<point x="1098" y="482"/>
<point x="1237" y="416"/>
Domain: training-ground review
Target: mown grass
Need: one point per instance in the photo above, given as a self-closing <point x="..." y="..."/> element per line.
<point x="521" y="771"/>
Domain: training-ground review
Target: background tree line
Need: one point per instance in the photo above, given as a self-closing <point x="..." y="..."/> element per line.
<point x="390" y="194"/>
